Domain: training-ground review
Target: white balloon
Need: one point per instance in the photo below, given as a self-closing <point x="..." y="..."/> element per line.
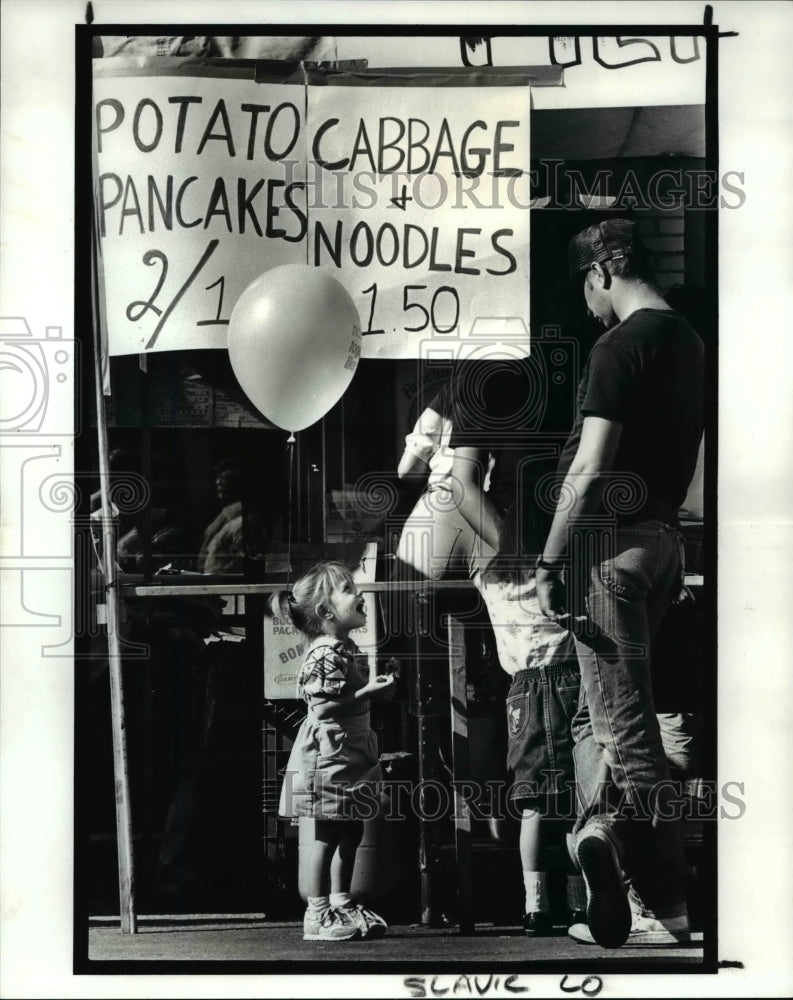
<point x="294" y="343"/>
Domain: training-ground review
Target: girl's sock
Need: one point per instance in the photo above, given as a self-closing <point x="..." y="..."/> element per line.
<point x="536" y="892"/>
<point x="318" y="904"/>
<point x="340" y="899"/>
<point x="576" y="894"/>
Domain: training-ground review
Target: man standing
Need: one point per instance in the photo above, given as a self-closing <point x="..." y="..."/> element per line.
<point x="626" y="468"/>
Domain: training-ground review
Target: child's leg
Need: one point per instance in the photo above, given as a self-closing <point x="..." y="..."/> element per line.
<point x="369" y="923"/>
<point x="537" y="910"/>
<point x="326" y="840"/>
<point x="343" y="862"/>
<point x="529" y="843"/>
<point x="321" y="922"/>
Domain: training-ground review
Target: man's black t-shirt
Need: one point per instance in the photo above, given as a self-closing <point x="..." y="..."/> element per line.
<point x="647" y="373"/>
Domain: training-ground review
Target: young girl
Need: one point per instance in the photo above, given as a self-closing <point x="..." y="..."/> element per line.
<point x="333" y="771"/>
<point x="542" y="700"/>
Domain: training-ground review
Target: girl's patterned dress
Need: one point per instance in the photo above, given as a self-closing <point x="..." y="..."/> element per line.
<point x="333" y="770"/>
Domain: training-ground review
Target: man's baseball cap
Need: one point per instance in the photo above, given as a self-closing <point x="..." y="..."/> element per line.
<point x="607" y="240"/>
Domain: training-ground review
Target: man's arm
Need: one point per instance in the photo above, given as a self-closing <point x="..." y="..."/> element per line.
<point x="584" y="484"/>
<point x="468" y="474"/>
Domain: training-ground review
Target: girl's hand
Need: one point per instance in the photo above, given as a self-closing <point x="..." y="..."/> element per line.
<point x="387" y="683"/>
<point x="378" y="685"/>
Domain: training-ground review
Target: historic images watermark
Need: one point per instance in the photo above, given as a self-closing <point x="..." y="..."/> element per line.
<point x="282" y="210"/>
<point x="430" y="800"/>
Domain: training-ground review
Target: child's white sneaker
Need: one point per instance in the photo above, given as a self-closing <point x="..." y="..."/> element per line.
<point x="329" y="925"/>
<point x="370" y="924"/>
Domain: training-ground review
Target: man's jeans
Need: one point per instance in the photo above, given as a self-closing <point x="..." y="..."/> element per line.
<point x="620" y="763"/>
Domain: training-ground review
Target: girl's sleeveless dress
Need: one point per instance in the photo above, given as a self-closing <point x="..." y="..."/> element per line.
<point x="333" y="770"/>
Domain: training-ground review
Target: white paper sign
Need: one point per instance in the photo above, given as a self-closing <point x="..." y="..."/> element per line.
<point x="199" y="189"/>
<point x="628" y="70"/>
<point x="420" y="206"/>
<point x="416" y="198"/>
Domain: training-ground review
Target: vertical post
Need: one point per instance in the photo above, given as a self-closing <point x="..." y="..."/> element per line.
<point x="146" y="527"/>
<point x="461" y="773"/>
<point x="428" y="764"/>
<point x="126" y="871"/>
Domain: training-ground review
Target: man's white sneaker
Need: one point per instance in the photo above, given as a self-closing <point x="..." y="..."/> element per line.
<point x="645" y="932"/>
<point x="329" y="925"/>
<point x="607" y="911"/>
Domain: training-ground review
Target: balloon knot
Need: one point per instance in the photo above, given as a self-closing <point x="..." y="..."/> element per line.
<point x="291" y="438"/>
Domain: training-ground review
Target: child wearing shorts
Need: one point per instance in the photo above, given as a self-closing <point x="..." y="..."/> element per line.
<point x="333" y="773"/>
<point x="540" y="657"/>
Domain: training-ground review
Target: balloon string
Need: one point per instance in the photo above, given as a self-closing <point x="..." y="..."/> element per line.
<point x="290" y="445"/>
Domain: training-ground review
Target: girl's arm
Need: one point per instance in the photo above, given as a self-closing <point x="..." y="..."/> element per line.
<point x="327" y="704"/>
<point x="468" y="473"/>
<point x="411" y="464"/>
<point x="327" y="680"/>
<point x="421" y="444"/>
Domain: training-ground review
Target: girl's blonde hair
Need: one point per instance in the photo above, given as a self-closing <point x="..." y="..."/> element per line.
<point x="313" y="589"/>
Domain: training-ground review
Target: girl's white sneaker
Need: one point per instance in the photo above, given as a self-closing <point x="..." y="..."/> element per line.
<point x="329" y="925"/>
<point x="370" y="924"/>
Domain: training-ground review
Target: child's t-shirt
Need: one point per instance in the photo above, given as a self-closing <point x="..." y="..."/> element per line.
<point x="524" y="636"/>
<point x="333" y="668"/>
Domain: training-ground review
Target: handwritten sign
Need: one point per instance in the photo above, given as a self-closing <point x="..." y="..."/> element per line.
<point x="415" y="197"/>
<point x="199" y="188"/>
<point x="600" y="71"/>
<point x="424" y="209"/>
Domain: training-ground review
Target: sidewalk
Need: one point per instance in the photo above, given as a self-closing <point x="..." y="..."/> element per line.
<point x="250" y="938"/>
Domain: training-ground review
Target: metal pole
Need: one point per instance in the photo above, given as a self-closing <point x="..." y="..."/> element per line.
<point x="428" y="761"/>
<point x="461" y="772"/>
<point x="126" y="871"/>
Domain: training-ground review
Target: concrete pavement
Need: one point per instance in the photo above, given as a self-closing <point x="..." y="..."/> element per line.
<point x="251" y="938"/>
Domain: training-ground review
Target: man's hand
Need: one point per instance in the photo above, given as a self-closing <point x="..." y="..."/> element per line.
<point x="552" y="594"/>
